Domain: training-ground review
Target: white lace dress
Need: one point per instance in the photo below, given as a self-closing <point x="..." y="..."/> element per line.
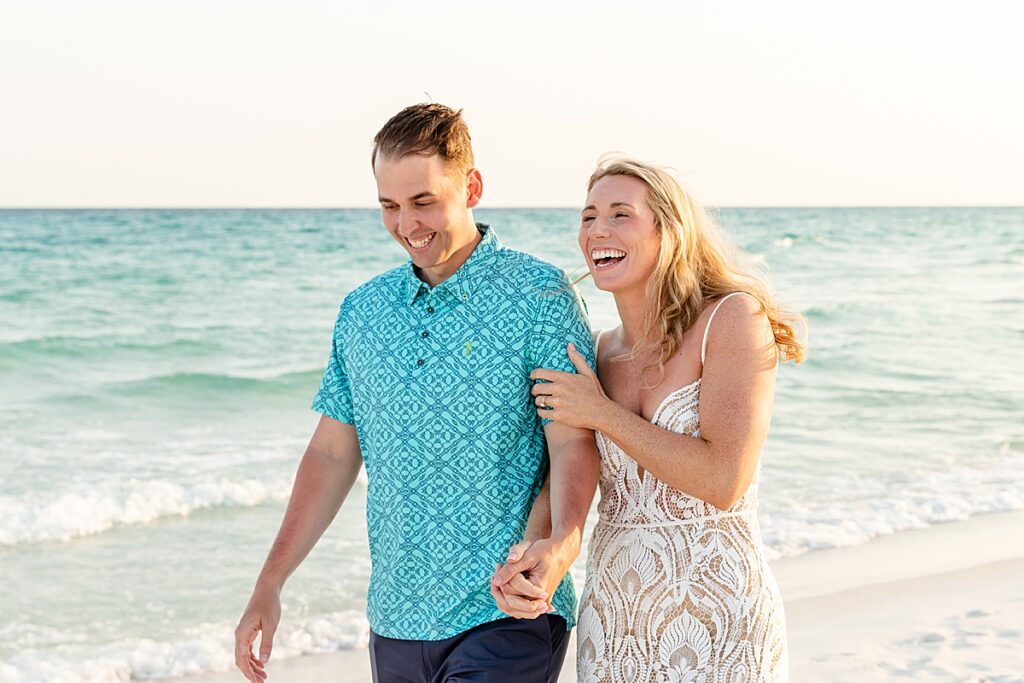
<point x="677" y="589"/>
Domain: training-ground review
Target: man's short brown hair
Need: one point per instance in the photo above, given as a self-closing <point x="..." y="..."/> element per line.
<point x="426" y="129"/>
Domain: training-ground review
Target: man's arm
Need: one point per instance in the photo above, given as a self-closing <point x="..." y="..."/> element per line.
<point x="325" y="476"/>
<point x="524" y="586"/>
<point x="538" y="524"/>
<point x="575" y="466"/>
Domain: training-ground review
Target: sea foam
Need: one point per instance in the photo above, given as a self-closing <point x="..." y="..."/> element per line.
<point x="209" y="647"/>
<point x="76" y="513"/>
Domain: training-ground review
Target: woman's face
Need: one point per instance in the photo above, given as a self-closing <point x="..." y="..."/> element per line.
<point x="618" y="235"/>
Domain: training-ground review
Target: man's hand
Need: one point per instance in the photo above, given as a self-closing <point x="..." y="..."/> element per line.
<point x="263" y="614"/>
<point x="326" y="474"/>
<point x="523" y="587"/>
<point x="518" y="597"/>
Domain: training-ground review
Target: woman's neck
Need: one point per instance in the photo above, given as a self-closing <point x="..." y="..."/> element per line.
<point x="632" y="307"/>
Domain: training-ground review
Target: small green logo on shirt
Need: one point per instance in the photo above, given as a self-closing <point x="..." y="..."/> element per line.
<point x="468" y="350"/>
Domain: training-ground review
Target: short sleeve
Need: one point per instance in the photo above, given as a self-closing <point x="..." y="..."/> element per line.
<point x="334" y="399"/>
<point x="561" y="319"/>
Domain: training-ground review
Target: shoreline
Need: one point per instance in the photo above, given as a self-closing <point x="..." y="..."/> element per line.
<point x="935" y="604"/>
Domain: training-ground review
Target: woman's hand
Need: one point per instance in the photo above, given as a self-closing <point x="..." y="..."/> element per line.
<point x="576" y="400"/>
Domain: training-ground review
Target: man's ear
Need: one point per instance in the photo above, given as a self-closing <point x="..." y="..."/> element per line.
<point x="474" y="187"/>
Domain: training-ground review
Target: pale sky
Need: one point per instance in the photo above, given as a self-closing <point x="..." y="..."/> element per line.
<point x="216" y="103"/>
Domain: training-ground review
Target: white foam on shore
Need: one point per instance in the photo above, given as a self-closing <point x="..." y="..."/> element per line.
<point x="209" y="648"/>
<point x="85" y="512"/>
<point x="940" y="497"/>
<point x="789" y="528"/>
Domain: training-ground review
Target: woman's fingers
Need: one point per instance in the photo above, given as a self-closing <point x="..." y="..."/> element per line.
<point x="519" y="604"/>
<point x="547" y="375"/>
<point x="512" y="606"/>
<point x="520" y="585"/>
<point x="513" y="593"/>
<point x="549" y="388"/>
<point x="578" y="361"/>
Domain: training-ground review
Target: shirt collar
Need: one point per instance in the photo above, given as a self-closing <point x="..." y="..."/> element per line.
<point x="463" y="282"/>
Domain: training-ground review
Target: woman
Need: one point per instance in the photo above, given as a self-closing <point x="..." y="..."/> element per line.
<point x="678" y="587"/>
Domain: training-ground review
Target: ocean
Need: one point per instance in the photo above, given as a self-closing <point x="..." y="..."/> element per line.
<point x="156" y="370"/>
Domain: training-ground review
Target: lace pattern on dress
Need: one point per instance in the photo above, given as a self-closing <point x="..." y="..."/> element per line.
<point x="677" y="590"/>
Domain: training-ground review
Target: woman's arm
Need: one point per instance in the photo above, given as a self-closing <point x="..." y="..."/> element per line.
<point x="735" y="411"/>
<point x="538" y="524"/>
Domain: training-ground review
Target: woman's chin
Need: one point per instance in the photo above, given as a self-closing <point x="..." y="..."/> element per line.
<point x="615" y="284"/>
<point x="607" y="284"/>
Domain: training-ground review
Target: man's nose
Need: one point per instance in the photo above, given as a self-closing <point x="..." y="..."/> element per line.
<point x="407" y="224"/>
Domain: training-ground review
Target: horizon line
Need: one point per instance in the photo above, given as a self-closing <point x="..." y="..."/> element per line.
<point x="499" y="208"/>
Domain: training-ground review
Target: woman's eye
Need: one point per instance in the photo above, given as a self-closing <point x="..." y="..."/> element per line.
<point x="621" y="214"/>
<point x="587" y="219"/>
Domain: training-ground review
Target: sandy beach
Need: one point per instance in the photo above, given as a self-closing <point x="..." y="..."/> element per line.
<point x="939" y="604"/>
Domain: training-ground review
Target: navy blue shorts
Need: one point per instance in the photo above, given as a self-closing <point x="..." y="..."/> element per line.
<point x="503" y="651"/>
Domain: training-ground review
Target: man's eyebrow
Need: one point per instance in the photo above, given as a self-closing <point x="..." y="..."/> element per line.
<point x="416" y="197"/>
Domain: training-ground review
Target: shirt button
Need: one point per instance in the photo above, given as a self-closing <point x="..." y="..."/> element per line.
<point x="425" y="334"/>
<point x="430" y="309"/>
<point x="420" y="362"/>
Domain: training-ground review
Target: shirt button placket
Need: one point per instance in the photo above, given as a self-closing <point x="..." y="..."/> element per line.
<point x="423" y="335"/>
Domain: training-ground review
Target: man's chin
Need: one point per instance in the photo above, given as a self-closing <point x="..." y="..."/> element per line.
<point x="423" y="261"/>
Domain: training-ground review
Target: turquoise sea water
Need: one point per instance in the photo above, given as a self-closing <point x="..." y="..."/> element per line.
<point x="156" y="369"/>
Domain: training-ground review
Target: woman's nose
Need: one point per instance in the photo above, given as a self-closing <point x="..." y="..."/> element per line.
<point x="598" y="229"/>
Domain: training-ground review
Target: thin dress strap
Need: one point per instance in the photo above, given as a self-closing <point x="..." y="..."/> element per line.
<point x="704" y="344"/>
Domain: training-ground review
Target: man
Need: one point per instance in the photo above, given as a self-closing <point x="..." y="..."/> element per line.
<point x="428" y="385"/>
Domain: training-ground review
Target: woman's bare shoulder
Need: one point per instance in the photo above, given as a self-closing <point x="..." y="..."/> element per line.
<point x="608" y="341"/>
<point x="739" y="324"/>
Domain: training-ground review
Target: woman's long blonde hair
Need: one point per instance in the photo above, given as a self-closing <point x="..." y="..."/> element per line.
<point x="696" y="263"/>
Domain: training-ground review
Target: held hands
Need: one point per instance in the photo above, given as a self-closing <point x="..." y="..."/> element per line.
<point x="524" y="586"/>
<point x="571" y="399"/>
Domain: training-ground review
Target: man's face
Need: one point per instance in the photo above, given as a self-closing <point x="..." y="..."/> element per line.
<point x="426" y="207"/>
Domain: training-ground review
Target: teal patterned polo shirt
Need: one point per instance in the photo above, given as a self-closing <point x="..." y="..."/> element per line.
<point x="436" y="382"/>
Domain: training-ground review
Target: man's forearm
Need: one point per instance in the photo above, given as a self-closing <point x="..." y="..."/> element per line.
<point x="321" y="485"/>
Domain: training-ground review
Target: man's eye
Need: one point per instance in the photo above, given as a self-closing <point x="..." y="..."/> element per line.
<point x="423" y="204"/>
<point x="587" y="219"/>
